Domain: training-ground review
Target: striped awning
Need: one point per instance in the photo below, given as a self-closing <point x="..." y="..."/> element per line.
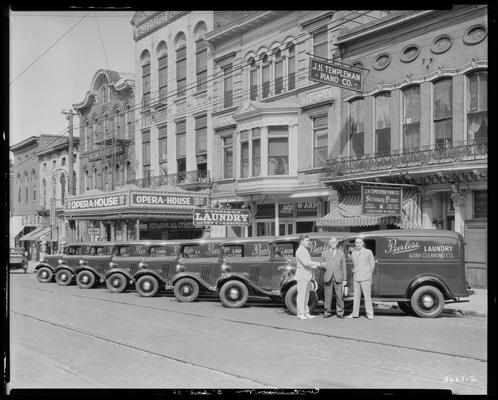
<point x="41" y="233"/>
<point x="348" y="213"/>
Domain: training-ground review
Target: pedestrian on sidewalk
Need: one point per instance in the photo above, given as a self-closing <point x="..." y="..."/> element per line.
<point x="304" y="274"/>
<point x="334" y="278"/>
<point x="363" y="267"/>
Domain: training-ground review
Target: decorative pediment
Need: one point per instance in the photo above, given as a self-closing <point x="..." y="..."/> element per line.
<point x="251" y="107"/>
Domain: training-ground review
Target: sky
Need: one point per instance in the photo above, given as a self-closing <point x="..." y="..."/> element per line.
<point x="62" y="76"/>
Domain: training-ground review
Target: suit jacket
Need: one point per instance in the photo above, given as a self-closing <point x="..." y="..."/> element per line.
<point x="305" y="265"/>
<point x="335" y="267"/>
<point x="363" y="264"/>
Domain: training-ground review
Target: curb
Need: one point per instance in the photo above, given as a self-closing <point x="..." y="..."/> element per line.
<point x="451" y="311"/>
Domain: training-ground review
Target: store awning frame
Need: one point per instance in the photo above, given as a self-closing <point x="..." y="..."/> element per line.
<point x="36" y="235"/>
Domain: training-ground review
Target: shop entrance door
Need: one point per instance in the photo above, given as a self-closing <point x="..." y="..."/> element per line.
<point x="286" y="228"/>
<point x="476" y="253"/>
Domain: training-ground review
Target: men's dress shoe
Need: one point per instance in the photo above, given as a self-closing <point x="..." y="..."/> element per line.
<point x="301" y="317"/>
<point x="351" y="316"/>
<point x="340" y="316"/>
<point x="310" y="316"/>
<point x="327" y="315"/>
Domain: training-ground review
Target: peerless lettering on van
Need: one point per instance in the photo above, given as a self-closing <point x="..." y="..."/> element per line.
<point x="420" y="248"/>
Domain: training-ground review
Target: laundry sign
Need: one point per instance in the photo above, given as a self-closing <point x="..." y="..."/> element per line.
<point x="217" y="216"/>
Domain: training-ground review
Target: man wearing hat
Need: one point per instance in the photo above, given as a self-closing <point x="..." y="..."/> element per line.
<point x="334" y="278"/>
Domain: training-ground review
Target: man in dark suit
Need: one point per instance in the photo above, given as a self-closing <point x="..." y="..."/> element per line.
<point x="334" y="278"/>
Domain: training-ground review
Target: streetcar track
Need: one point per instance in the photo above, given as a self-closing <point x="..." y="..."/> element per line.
<point x="106" y="339"/>
<point x="265" y="325"/>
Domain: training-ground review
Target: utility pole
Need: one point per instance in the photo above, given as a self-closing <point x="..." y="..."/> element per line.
<point x="69" y="116"/>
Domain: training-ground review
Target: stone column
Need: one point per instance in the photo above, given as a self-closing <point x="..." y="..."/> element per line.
<point x="113" y="231"/>
<point x="277" y="219"/>
<point x="458" y="198"/>
<point x="125" y="229"/>
<point x="102" y="234"/>
<point x="137" y="227"/>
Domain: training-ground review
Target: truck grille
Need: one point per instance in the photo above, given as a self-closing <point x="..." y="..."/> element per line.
<point x="205" y="272"/>
<point x="133" y="268"/>
<point x="254" y="274"/>
<point x="165" y="270"/>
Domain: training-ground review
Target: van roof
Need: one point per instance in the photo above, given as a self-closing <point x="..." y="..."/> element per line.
<point x="268" y="239"/>
<point x="399" y="233"/>
<point x="312" y="235"/>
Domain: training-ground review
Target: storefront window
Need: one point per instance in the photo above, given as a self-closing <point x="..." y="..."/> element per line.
<point x="244" y="158"/>
<point x="443" y="112"/>
<point x="278" y="150"/>
<point x="382" y="123"/>
<point x="480" y="204"/>
<point x="256" y="152"/>
<point x="477" y="112"/>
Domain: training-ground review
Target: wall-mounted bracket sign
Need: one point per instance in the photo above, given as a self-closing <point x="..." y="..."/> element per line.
<point x="217" y="216"/>
<point x="34" y="220"/>
<point x="381" y="200"/>
<point x="335" y="75"/>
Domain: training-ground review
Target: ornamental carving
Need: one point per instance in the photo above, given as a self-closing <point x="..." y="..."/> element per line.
<point x="475" y="34"/>
<point x="382" y="61"/>
<point x="441" y="44"/>
<point x="409" y="53"/>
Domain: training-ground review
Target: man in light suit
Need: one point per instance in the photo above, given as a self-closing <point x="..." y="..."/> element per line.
<point x="304" y="274"/>
<point x="334" y="278"/>
<point x="363" y="267"/>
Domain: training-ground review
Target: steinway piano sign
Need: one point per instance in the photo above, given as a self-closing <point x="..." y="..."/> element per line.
<point x="217" y="216"/>
<point x="335" y="75"/>
<point x="380" y="201"/>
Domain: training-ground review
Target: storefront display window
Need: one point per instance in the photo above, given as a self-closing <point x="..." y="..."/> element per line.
<point x="480" y="204"/>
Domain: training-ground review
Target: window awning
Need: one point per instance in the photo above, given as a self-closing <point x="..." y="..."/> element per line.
<point x="348" y="213"/>
<point x="40" y="233"/>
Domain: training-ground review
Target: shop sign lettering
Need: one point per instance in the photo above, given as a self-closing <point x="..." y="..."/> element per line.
<point x="380" y="201"/>
<point x="307" y="209"/>
<point x="422" y="250"/>
<point x="335" y="75"/>
<point x="160" y="200"/>
<point x="115" y="200"/>
<point x="215" y="216"/>
<point x="34" y="220"/>
<point x="155" y="226"/>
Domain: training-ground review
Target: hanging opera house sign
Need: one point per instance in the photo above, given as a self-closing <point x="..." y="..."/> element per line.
<point x="381" y="201"/>
<point x="335" y="75"/>
<point x="217" y="216"/>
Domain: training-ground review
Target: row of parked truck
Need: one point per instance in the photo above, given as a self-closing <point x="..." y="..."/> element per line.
<point x="419" y="270"/>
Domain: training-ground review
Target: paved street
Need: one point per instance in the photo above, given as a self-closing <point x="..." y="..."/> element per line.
<point x="66" y="337"/>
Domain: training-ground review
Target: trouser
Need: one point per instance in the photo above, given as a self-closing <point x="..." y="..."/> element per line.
<point x="366" y="288"/>
<point x="328" y="289"/>
<point x="303" y="295"/>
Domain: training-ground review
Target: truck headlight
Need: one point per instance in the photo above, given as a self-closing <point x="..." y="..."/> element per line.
<point x="112" y="265"/>
<point x="59" y="261"/>
<point x="225" y="267"/>
<point x="179" y="268"/>
<point x="82" y="262"/>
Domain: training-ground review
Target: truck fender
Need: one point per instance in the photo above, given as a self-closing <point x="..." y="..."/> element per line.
<point x="44" y="265"/>
<point x="144" y="272"/>
<point x="432" y="280"/>
<point x="193" y="276"/>
<point x="118" y="271"/>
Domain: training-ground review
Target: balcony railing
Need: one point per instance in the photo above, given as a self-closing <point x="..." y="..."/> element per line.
<point x="409" y="158"/>
<point x="180" y="178"/>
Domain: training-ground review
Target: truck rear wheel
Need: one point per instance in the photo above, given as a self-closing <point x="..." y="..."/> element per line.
<point x="116" y="283"/>
<point x="85" y="279"/>
<point x="63" y="277"/>
<point x="427" y="302"/>
<point x="291" y="300"/>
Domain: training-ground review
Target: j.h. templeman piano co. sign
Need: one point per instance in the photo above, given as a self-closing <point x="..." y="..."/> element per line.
<point x="216" y="216"/>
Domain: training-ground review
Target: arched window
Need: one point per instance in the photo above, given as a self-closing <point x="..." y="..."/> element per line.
<point x="127" y="172"/>
<point x="119" y="175"/>
<point x="19" y="183"/>
<point x="34" y="183"/>
<point x="128" y="121"/>
<point x="383" y="123"/>
<point x="106" y="124"/>
<point x="44" y="193"/>
<point x="95" y="138"/>
<point x="477" y="107"/>
<point x="411" y="118"/>
<point x="291" y="66"/>
<point x="86" y="177"/>
<point x="105" y="180"/>
<point x="443" y="112"/>
<point x="103" y="94"/>
<point x="26" y="187"/>
<point x="145" y="61"/>
<point x="74" y="183"/>
<point x="95" y="178"/>
<point x="266" y="76"/>
<point x="86" y="135"/>
<point x="63" y="187"/>
<point x="253" y="79"/>
<point x="279" y="72"/>
<point x="181" y="64"/>
<point x="201" y="56"/>
<point x="356" y="128"/>
<point x="162" y="71"/>
<point x="118" y="122"/>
